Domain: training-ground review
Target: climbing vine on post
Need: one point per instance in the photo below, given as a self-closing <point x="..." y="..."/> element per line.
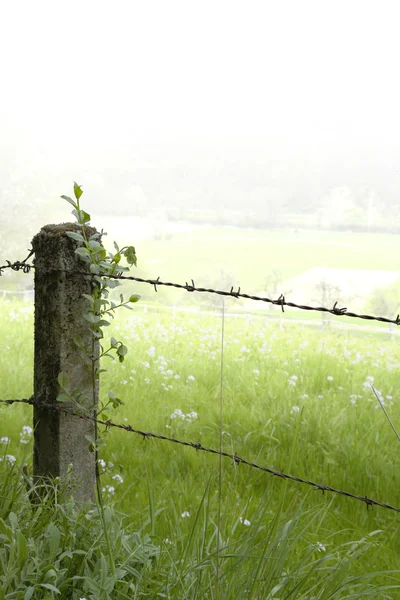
<point x="104" y="267"/>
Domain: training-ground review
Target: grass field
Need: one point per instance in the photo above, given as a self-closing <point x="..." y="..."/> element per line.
<point x="252" y="254"/>
<point x="295" y="399"/>
<point x="229" y="256"/>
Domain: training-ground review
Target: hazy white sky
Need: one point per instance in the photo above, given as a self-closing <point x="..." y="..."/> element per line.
<point x="81" y="77"/>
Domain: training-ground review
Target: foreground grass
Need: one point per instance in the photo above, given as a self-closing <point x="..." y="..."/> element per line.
<point x="58" y="549"/>
<point x="293" y="399"/>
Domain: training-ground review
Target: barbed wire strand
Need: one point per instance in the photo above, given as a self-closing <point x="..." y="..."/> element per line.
<point x="198" y="446"/>
<point x="281" y="301"/>
<point x="22" y="400"/>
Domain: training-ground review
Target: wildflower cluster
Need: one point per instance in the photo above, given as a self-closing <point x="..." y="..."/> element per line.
<point x="178" y="414"/>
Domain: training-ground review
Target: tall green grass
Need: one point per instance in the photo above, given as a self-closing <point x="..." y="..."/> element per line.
<point x="293" y="399"/>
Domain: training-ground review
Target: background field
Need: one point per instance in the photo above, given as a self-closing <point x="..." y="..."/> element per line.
<point x="294" y="398"/>
<point x="256" y="260"/>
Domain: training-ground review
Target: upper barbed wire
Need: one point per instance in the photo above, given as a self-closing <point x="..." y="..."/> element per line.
<point x="281" y="301"/>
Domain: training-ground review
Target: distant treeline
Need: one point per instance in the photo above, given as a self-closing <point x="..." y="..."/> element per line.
<point x="230" y="218"/>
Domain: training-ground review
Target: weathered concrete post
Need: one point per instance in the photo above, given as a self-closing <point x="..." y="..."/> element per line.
<point x="59" y="438"/>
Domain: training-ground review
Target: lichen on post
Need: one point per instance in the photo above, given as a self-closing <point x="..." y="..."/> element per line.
<point x="59" y="438"/>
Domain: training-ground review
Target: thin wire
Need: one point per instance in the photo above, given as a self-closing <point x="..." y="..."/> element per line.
<point x="385" y="413"/>
<point x="220" y="440"/>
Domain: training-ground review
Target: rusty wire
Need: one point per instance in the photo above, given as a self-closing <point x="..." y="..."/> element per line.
<point x="281" y="301"/>
<point x="369" y="502"/>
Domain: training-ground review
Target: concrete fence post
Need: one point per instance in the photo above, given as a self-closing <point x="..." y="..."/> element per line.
<point x="59" y="438"/>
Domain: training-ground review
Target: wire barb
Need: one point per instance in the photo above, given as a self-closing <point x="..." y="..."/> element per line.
<point x="190" y="288"/>
<point x="155" y="283"/>
<point x="281" y="302"/>
<point x="338" y="311"/>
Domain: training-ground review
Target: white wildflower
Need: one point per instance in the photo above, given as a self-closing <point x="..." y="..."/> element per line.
<point x="9" y="458"/>
<point x="25" y="434"/>
<point x="177" y="414"/>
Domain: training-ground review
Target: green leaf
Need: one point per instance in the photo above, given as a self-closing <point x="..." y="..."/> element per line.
<point x="75" y="235"/>
<point x="22" y="549"/>
<point x="63" y="397"/>
<point x="94" y="268"/>
<point x="113" y="342"/>
<point x="5" y="530"/>
<point x="113" y="283"/>
<point x="89" y="298"/>
<point x="85" y="216"/>
<point x="117" y="257"/>
<point x="130" y="255"/>
<point x="54" y="536"/>
<point x="82" y="252"/>
<point x="77" y="190"/>
<point x="122" y="350"/>
<point x="100" y="253"/>
<point x="81" y="216"/>
<point x="68" y="199"/>
<point x="134" y="298"/>
<point x="50" y="587"/>
<point x="78" y="342"/>
<point x="116" y="246"/>
<point x="29" y="593"/>
<point x="103" y="323"/>
<point x="92" y="318"/>
<point x="62" y="379"/>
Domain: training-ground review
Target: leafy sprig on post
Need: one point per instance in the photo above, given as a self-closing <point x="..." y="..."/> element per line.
<point x="100" y="309"/>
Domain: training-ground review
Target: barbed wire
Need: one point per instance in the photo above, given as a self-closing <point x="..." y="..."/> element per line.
<point x="281" y="301"/>
<point x="238" y="460"/>
<point x="22" y="400"/>
<point x="369" y="502"/>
